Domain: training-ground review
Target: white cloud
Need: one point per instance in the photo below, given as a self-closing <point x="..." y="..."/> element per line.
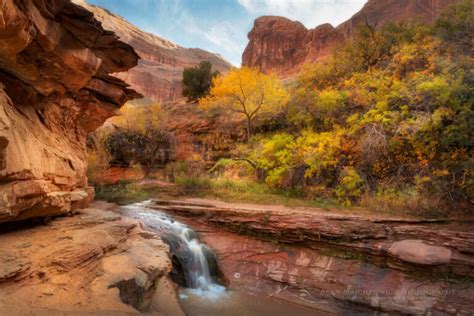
<point x="309" y="12"/>
<point x="223" y="35"/>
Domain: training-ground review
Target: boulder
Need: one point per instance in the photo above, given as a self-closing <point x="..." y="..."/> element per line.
<point x="94" y="263"/>
<point x="417" y="251"/>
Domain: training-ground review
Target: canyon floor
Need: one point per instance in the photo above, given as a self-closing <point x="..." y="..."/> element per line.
<point x="99" y="261"/>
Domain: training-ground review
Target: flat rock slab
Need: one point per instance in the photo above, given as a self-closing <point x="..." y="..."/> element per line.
<point x="417" y="251"/>
<point x="11" y="265"/>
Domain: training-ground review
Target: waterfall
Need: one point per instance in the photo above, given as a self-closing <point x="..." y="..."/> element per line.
<point x="195" y="265"/>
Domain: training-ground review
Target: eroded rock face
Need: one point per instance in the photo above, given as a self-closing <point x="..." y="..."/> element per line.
<point x="160" y="69"/>
<point x="330" y="281"/>
<point x="94" y="263"/>
<point x="279" y="45"/>
<point x="379" y="12"/>
<point x="55" y="87"/>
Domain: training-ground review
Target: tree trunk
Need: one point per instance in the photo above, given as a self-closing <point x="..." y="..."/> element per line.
<point x="249" y="129"/>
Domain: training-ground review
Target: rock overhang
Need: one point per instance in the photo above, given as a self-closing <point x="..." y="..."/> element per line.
<point x="57" y="84"/>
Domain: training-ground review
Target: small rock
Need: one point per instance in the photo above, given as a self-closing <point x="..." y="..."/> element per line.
<point x="416" y="251"/>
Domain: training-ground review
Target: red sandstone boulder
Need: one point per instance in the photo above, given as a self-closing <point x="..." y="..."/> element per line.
<point x="416" y="251"/>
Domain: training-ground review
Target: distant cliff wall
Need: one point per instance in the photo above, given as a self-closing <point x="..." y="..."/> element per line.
<point x="279" y="45"/>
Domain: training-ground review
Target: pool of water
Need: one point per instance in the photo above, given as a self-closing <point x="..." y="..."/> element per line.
<point x="230" y="303"/>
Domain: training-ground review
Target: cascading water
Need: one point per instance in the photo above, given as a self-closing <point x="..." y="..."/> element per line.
<point x="195" y="265"/>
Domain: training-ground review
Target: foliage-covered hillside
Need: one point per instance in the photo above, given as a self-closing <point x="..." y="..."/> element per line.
<point x="389" y="116"/>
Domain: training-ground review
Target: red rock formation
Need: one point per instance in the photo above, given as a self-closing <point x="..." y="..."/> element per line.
<point x="379" y="12"/>
<point x="159" y="71"/>
<point x="55" y="87"/>
<point x="279" y="45"/>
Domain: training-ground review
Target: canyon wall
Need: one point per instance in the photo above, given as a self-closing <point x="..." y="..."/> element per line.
<point x="160" y="68"/>
<point x="55" y="87"/>
<point x="279" y="45"/>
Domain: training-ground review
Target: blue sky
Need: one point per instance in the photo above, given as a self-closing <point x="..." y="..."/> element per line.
<point x="221" y="26"/>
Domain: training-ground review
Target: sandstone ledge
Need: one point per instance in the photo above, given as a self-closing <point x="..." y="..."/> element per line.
<point x="403" y="244"/>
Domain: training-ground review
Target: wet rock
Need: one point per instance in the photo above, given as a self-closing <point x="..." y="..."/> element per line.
<point x="328" y="280"/>
<point x="439" y="244"/>
<point x="165" y="299"/>
<point x="337" y="263"/>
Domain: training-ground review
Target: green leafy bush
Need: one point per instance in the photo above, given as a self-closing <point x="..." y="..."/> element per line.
<point x="350" y="187"/>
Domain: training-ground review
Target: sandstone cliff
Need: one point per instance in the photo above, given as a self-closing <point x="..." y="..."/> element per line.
<point x="55" y="87"/>
<point x="279" y="45"/>
<point x="159" y="71"/>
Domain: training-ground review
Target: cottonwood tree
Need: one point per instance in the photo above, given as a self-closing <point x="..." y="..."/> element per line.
<point x="248" y="93"/>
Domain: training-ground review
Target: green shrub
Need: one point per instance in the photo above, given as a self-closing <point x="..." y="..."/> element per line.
<point x="241" y="168"/>
<point x="350" y="187"/>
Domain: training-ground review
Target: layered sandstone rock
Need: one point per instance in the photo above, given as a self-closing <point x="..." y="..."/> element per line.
<point x="95" y="263"/>
<point x="55" y="87"/>
<point x="336" y="263"/>
<point x="160" y="69"/>
<point x="198" y="137"/>
<point x="279" y="45"/>
<point x="399" y="243"/>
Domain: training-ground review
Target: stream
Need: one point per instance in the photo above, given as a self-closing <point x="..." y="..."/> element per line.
<point x="195" y="269"/>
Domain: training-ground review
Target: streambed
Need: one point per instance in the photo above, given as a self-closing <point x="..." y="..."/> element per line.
<point x="202" y="290"/>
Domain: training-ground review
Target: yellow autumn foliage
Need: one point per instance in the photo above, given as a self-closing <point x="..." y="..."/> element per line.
<point x="246" y="92"/>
